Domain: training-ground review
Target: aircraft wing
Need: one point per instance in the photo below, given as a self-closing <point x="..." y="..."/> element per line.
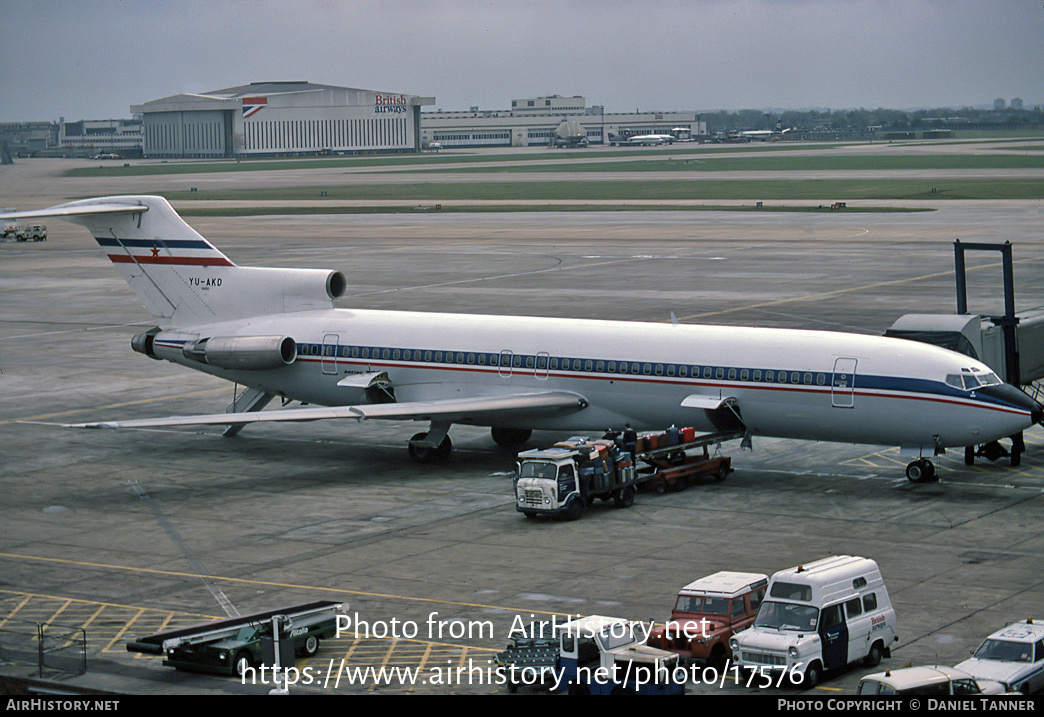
<point x="479" y="409"/>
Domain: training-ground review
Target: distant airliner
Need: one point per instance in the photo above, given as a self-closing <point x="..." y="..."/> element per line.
<point x="277" y="332"/>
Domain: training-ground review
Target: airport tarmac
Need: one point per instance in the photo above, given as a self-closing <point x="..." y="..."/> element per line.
<point x="120" y="533"/>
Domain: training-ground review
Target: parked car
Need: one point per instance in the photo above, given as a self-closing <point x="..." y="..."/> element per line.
<point x="1013" y="655"/>
<point x="932" y="681"/>
<point x="707" y="613"/>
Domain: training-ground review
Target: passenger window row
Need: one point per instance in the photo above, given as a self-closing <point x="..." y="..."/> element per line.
<point x="546" y="362"/>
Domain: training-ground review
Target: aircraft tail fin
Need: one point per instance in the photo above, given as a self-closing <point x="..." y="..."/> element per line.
<point x="180" y="277"/>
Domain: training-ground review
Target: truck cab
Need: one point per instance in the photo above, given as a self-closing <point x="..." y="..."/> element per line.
<point x="818" y="617"/>
<point x="707" y="613"/>
<point x="568" y="478"/>
<point x="602" y="655"/>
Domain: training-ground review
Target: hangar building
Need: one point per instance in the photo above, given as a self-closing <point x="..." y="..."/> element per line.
<point x="269" y="118"/>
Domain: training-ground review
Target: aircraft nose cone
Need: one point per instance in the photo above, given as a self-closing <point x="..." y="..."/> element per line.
<point x="1016" y="397"/>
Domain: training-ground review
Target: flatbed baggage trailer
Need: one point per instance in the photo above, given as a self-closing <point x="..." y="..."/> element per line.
<point x="231" y="646"/>
<point x="672" y="468"/>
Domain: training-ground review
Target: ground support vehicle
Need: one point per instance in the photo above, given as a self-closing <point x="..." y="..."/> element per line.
<point x="33" y="233"/>
<point x="934" y="681"/>
<point x="601" y="655"/>
<point x="670" y="465"/>
<point x="13" y="232"/>
<point x="1014" y="656"/>
<point x="707" y="613"/>
<point x="817" y="617"/>
<point x="569" y="477"/>
<point x="530" y="657"/>
<point x="231" y="646"/>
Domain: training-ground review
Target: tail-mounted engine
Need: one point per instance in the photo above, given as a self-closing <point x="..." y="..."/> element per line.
<point x="243" y="352"/>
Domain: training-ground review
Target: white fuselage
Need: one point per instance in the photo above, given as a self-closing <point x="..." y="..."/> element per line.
<point x="814" y="385"/>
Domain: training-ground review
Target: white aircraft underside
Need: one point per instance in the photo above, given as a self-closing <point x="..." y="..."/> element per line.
<point x="276" y="332"/>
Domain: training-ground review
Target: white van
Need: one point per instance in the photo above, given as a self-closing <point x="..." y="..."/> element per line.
<point x="816" y="617"/>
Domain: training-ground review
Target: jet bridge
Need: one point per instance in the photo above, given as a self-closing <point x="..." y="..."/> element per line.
<point x="1012" y="345"/>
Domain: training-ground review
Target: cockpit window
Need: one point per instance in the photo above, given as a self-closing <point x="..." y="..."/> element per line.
<point x="970" y="381"/>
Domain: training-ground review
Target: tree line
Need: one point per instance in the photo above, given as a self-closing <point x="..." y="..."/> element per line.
<point x="867" y="120"/>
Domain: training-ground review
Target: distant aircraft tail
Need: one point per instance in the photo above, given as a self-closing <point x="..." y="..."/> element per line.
<point x="180" y="277"/>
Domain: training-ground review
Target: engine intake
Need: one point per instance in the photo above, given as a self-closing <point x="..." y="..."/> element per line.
<point x="243" y="352"/>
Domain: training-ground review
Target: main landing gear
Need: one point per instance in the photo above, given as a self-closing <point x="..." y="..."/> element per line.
<point x="435" y="446"/>
<point x="432" y="446"/>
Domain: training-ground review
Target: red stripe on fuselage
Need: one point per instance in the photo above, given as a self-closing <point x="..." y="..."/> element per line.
<point x="170" y="260"/>
<point x="695" y="383"/>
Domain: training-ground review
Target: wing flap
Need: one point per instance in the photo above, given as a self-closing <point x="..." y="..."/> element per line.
<point x="456" y="410"/>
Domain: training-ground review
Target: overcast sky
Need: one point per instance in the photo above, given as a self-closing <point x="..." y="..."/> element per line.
<point x="92" y="59"/>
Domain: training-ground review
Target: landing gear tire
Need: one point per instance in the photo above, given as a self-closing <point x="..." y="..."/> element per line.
<point x="510" y="437"/>
<point x="425" y="454"/>
<point x="920" y="471"/>
<point x="969" y="455"/>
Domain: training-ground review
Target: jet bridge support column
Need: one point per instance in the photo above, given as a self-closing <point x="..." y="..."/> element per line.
<point x="1008" y="323"/>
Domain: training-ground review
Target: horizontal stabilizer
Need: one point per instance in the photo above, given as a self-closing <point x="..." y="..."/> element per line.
<point x="458" y="410"/>
<point x="77" y="209"/>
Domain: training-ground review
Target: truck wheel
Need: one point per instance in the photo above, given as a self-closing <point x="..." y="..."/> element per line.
<point x="311" y="646"/>
<point x="723" y="473"/>
<point x="625" y="498"/>
<point x="574" y="510"/>
<point x="718" y="659"/>
<point x="242" y="662"/>
<point x="812" y="676"/>
<point x="873" y="658"/>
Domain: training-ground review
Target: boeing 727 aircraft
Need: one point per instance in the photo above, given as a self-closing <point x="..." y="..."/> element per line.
<point x="277" y="332"/>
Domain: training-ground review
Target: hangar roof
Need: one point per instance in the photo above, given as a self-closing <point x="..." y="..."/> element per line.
<point x="229" y="98"/>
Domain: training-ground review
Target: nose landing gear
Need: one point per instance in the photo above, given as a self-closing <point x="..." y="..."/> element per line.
<point x="921" y="471"/>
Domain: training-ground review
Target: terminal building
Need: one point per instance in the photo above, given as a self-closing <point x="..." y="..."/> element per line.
<point x="276" y="118"/>
<point x="533" y="121"/>
<point x="91" y="137"/>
